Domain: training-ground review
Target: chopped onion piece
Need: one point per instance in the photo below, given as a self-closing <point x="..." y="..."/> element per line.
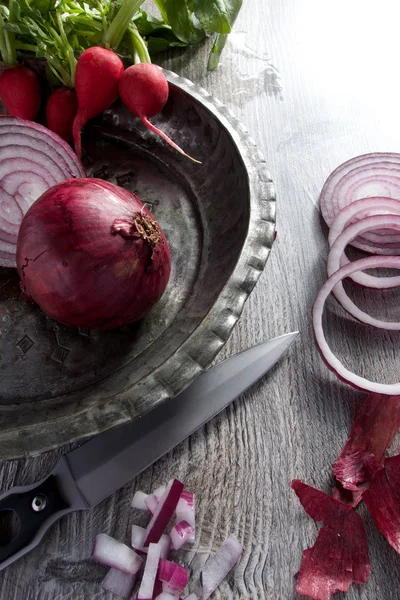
<point x="185" y="511"/>
<point x="218" y="566"/>
<point x="166" y="596"/>
<point x="187" y="499"/>
<point x="151" y="503"/>
<point x="166" y="569"/>
<point x="177" y="582"/>
<point x="159" y="492"/>
<point x="331" y="360"/>
<point x="137" y="539"/>
<point x="150" y="573"/>
<point x="138" y="500"/>
<point x="119" y="583"/>
<point x="191" y="596"/>
<point x="110" y="552"/>
<point x="165" y="509"/>
<point x="182" y="532"/>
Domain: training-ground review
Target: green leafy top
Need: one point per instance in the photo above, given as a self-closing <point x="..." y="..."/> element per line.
<point x="59" y="30"/>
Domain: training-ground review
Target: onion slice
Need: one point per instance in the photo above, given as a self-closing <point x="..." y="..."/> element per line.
<point x="119" y="583"/>
<point x="191" y="596"/>
<point x="218" y="566"/>
<point x="110" y="552"/>
<point x="367" y="207"/>
<point x="337" y="251"/>
<point x="331" y="360"/>
<point x="32" y="159"/>
<point x="368" y="175"/>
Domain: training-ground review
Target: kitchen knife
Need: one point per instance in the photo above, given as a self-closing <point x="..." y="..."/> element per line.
<point x="92" y="472"/>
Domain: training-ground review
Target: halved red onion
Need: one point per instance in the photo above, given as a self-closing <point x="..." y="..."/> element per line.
<point x="218" y="566"/>
<point x="32" y="159"/>
<point x="181" y="532"/>
<point x="337" y="251"/>
<point x="119" y="583"/>
<point x="165" y="509"/>
<point x="138" y="500"/>
<point x="373" y="262"/>
<point x="137" y="541"/>
<point x="110" y="552"/>
<point x="150" y="573"/>
<point x="369" y="175"/>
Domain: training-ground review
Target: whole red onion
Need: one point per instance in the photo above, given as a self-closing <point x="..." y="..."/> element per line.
<point x="91" y="255"/>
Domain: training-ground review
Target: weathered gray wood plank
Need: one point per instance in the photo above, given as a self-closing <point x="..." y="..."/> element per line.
<point x="339" y="99"/>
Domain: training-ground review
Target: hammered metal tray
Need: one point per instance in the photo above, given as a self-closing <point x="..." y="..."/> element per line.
<point x="59" y="384"/>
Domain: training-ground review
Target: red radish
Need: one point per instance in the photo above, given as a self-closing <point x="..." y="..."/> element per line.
<point x="61" y="110"/>
<point x="96" y="81"/>
<point x="143" y="88"/>
<point x="20" y="92"/>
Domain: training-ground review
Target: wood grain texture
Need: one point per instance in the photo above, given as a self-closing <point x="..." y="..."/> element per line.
<point x="315" y="83"/>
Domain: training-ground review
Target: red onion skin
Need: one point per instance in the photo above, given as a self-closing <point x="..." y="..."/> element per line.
<point x="77" y="269"/>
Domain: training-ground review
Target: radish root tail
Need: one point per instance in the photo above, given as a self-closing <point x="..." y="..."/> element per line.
<point x="166" y="138"/>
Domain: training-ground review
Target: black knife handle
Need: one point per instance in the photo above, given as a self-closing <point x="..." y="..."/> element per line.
<point x="34" y="508"/>
<point x="31" y="510"/>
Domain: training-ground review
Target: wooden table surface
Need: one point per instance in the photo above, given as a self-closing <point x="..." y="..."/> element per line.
<point x="315" y="83"/>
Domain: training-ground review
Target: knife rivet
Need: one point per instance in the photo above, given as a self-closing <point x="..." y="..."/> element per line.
<point x="39" y="503"/>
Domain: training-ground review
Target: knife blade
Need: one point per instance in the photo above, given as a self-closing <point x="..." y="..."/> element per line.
<point x="86" y="476"/>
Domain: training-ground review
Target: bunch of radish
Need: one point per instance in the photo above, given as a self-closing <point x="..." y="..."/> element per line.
<point x="100" y="78"/>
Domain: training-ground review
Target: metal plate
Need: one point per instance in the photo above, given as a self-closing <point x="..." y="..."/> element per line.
<point x="59" y="384"/>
